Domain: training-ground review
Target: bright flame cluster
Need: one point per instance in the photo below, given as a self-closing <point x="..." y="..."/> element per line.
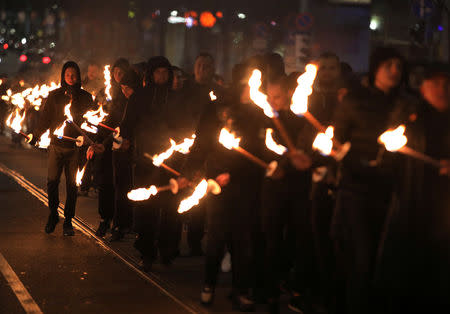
<point x="212" y="96"/>
<point x="324" y="141"/>
<point x="33" y="95"/>
<point x="183" y="148"/>
<point x="107" y="75"/>
<point x="393" y="140"/>
<point x="80" y="174"/>
<point x="199" y="192"/>
<point x="259" y="98"/>
<point x="142" y="194"/>
<point x="304" y="88"/>
<point x="272" y="145"/>
<point x="59" y="132"/>
<point x="227" y="139"/>
<point x="94" y="117"/>
<point x="14" y="120"/>
<point x="44" y="141"/>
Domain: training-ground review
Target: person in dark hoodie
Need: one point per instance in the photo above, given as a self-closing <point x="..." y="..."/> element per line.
<point x="366" y="185"/>
<point x="113" y="168"/>
<point x="62" y="154"/>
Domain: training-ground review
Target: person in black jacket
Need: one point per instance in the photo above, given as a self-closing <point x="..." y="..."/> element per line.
<point x="62" y="154"/>
<point x="113" y="168"/>
<point x="366" y="184"/>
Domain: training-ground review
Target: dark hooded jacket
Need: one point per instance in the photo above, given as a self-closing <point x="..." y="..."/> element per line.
<point x="52" y="115"/>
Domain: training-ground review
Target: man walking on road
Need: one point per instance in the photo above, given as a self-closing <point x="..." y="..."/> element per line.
<point x="63" y="154"/>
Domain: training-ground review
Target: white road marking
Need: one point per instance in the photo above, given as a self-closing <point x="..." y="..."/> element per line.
<point x="18" y="288"/>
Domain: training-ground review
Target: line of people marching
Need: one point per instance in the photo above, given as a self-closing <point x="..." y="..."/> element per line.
<point x="367" y="234"/>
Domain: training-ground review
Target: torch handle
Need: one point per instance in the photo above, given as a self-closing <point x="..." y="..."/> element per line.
<point x="425" y="158"/>
<point x="69" y="138"/>
<point x="107" y="127"/>
<point x="284" y="134"/>
<point x="81" y="132"/>
<point x="163" y="188"/>
<point x="24" y="135"/>
<point x="252" y="157"/>
<point x="170" y="169"/>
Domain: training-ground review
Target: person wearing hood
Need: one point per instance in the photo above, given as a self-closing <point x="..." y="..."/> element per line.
<point x="113" y="168"/>
<point x="63" y="154"/>
<point x="366" y="181"/>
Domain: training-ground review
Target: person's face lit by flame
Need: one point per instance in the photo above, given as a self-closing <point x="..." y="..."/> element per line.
<point x="70" y="76"/>
<point x="127" y="90"/>
<point x="118" y="74"/>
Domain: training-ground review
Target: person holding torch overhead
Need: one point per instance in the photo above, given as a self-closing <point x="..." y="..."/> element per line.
<point x="63" y="154"/>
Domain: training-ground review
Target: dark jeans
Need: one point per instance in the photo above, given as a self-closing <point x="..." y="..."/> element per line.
<point x="286" y="226"/>
<point x="123" y="183"/>
<point x="105" y="180"/>
<point x="196" y="227"/>
<point x="59" y="159"/>
<point x="361" y="213"/>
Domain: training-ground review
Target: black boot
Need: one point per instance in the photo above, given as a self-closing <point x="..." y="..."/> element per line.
<point x="51" y="223"/>
<point x="67" y="227"/>
<point x="102" y="228"/>
<point x="116" y="235"/>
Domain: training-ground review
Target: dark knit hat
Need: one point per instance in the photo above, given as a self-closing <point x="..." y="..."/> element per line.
<point x="121" y="63"/>
<point x="436" y="69"/>
<point x="131" y="79"/>
<point x="380" y="55"/>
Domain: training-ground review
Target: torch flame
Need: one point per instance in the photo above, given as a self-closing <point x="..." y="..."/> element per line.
<point x="257" y="96"/>
<point x="107" y="75"/>
<point x="44" y="141"/>
<point x="142" y="194"/>
<point x="59" y="132"/>
<point x="304" y="88"/>
<point x="182" y="148"/>
<point x="80" y="175"/>
<point x="93" y="117"/>
<point x="15" y="120"/>
<point x="272" y="145"/>
<point x="324" y="141"/>
<point x="393" y="140"/>
<point x="67" y="112"/>
<point x="228" y="139"/>
<point x="199" y="192"/>
<point x="212" y="96"/>
<point x="33" y="95"/>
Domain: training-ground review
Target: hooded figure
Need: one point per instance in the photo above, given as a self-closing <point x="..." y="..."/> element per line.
<point x="63" y="154"/>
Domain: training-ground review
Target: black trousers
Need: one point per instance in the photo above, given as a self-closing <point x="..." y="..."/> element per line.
<point x="123" y="183"/>
<point x="231" y="218"/>
<point x="287" y="229"/>
<point x="361" y="213"/>
<point x="105" y="180"/>
<point x="59" y="159"/>
<point x="156" y="220"/>
<point x="322" y="207"/>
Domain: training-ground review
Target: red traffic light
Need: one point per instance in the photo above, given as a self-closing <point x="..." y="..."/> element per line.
<point x="23" y="58"/>
<point x="46" y="60"/>
<point x="5" y="46"/>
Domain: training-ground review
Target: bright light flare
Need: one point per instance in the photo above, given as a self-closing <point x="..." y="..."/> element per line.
<point x="199" y="192"/>
<point x="212" y="96"/>
<point x="142" y="194"/>
<point x="44" y="141"/>
<point x="59" y="132"/>
<point x="107" y="76"/>
<point x="272" y="145"/>
<point x="67" y="112"/>
<point x="228" y="139"/>
<point x="94" y="117"/>
<point x="80" y="174"/>
<point x="257" y="96"/>
<point x="394" y="140"/>
<point x="305" y="81"/>
<point x="14" y="120"/>
<point x="183" y="148"/>
<point x="324" y="141"/>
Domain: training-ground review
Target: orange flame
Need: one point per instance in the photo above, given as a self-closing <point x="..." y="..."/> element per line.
<point x="272" y="145"/>
<point x="44" y="141"/>
<point x="93" y="117"/>
<point x="304" y="88"/>
<point x="67" y="112"/>
<point x="212" y="96"/>
<point x="59" y="132"/>
<point x="394" y="140"/>
<point x="199" y="192"/>
<point x="107" y="75"/>
<point x="142" y="194"/>
<point x="80" y="175"/>
<point x="182" y="148"/>
<point x="227" y="139"/>
<point x="15" y="120"/>
<point x="257" y="96"/>
<point x="324" y="141"/>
